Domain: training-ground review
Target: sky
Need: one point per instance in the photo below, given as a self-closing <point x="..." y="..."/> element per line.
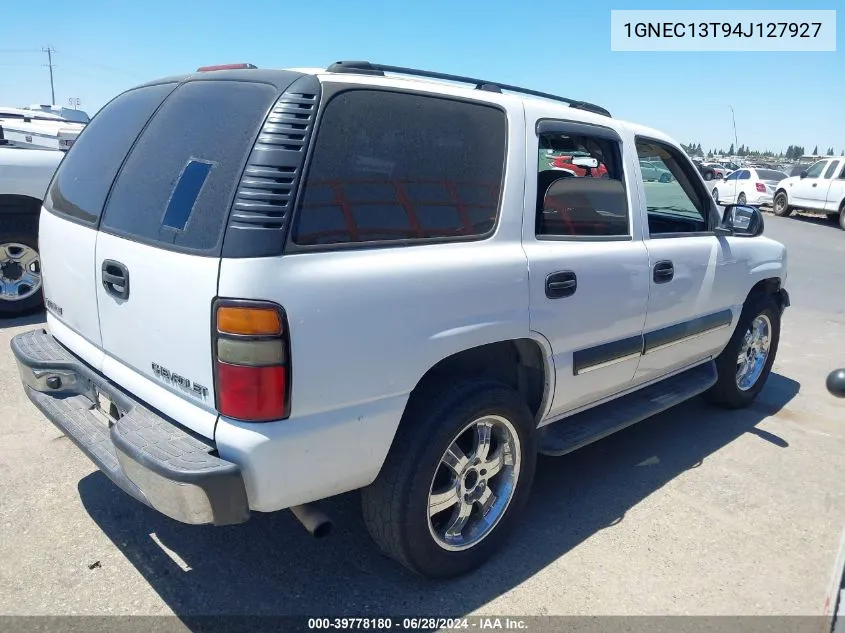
<point x="105" y="47"/>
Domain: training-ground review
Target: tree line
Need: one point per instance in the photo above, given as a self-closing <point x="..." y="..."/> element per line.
<point x="793" y="152"/>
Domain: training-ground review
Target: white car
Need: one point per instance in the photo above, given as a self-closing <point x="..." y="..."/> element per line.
<point x="754" y="187"/>
<point x="309" y="289"/>
<point x="24" y="177"/>
<point x="820" y="188"/>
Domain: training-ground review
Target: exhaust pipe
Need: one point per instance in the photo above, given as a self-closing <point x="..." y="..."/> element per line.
<point x="314" y="520"/>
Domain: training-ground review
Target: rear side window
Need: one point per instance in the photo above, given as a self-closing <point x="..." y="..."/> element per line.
<point x="390" y="166"/>
<point x="86" y="173"/>
<point x="177" y="185"/>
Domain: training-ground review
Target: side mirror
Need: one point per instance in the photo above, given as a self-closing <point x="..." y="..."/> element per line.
<point x="742" y="221"/>
<point x="586" y="162"/>
<point x="836" y="383"/>
<point x="803" y="174"/>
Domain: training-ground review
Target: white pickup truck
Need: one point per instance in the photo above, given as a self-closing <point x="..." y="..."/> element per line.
<point x="821" y="188"/>
<point x="24" y="177"/>
<point x="363" y="277"/>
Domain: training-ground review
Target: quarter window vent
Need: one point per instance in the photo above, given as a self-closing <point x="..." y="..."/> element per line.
<point x="268" y="185"/>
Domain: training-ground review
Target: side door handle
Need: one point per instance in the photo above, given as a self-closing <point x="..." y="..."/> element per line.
<point x="561" y="284"/>
<point x="663" y="272"/>
<point x="116" y="279"/>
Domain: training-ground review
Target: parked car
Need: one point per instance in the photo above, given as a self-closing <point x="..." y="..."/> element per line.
<point x="653" y="171"/>
<point x="719" y="171"/>
<point x="707" y="172"/>
<point x="754" y="187"/>
<point x="820" y="188"/>
<point x="24" y="177"/>
<point x="250" y="308"/>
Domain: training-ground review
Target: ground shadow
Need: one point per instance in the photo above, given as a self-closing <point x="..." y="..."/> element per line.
<point x="270" y="566"/>
<point x="36" y="318"/>
<point x="818" y="220"/>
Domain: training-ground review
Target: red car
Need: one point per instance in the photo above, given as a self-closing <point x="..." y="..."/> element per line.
<point x="565" y="162"/>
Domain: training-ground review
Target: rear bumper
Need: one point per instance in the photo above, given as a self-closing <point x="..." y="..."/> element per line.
<point x="146" y="455"/>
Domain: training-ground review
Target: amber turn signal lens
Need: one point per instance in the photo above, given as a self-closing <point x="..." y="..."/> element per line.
<point x="249" y="321"/>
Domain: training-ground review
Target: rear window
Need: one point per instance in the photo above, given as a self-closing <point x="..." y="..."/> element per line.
<point x="393" y="166"/>
<point x="82" y="182"/>
<point x="177" y="185"/>
<point x="770" y="174"/>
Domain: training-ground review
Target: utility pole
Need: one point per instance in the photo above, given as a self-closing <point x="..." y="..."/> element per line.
<point x="736" y="140"/>
<point x="50" y="50"/>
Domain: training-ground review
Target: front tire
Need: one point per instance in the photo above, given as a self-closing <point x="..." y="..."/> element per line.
<point x="746" y="362"/>
<point x="20" y="266"/>
<point x="708" y="175"/>
<point x="842" y="216"/>
<point x="780" y="206"/>
<point x="458" y="474"/>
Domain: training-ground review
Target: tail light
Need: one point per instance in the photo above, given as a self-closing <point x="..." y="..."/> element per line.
<point x="761" y="187"/>
<point x="251" y="360"/>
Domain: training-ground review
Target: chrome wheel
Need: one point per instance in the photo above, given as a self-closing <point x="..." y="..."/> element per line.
<point x="474" y="483"/>
<point x="20" y="272"/>
<point x="753" y="353"/>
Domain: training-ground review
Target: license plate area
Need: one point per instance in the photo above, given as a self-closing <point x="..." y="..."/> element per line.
<point x="104" y="409"/>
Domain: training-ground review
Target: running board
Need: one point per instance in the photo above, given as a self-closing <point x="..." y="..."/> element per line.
<point x="560" y="438"/>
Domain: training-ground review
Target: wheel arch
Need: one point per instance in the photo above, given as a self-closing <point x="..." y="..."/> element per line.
<point x="523" y="363"/>
<point x="19" y="204"/>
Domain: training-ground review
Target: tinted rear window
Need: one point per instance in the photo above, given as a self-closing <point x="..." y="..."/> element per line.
<point x="82" y="182"/>
<point x="177" y="185"/>
<point x="770" y="174"/>
<point x="393" y="166"/>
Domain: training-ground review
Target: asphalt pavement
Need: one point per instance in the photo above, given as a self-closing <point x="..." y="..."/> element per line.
<point x="696" y="511"/>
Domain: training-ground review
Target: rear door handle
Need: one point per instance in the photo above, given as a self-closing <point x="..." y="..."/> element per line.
<point x="663" y="272"/>
<point x="116" y="279"/>
<point x="561" y="284"/>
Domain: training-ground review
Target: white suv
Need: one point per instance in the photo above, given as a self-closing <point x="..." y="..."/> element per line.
<point x="268" y="287"/>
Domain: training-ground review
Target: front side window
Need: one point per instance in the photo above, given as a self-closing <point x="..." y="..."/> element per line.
<point x="392" y="166"/>
<point x="733" y="176"/>
<point x="676" y="206"/>
<point x="816" y="169"/>
<point x="744" y="175"/>
<point x="580" y="187"/>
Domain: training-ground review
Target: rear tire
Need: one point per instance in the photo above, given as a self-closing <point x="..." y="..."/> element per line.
<point x="842" y="216"/>
<point x="780" y="205"/>
<point x="19" y="263"/>
<point x="739" y="383"/>
<point x="415" y="477"/>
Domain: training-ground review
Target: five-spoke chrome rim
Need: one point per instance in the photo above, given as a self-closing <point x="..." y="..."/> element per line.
<point x="753" y="353"/>
<point x="474" y="483"/>
<point x="20" y="271"/>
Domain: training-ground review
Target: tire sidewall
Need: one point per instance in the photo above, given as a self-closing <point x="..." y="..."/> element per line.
<point x="784" y="210"/>
<point x="423" y="551"/>
<point x="760" y="304"/>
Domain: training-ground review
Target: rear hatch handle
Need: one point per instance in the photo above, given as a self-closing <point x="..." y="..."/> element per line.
<point x="116" y="279"/>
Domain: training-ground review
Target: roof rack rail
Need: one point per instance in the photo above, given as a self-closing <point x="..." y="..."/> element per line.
<point x="368" y="68"/>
